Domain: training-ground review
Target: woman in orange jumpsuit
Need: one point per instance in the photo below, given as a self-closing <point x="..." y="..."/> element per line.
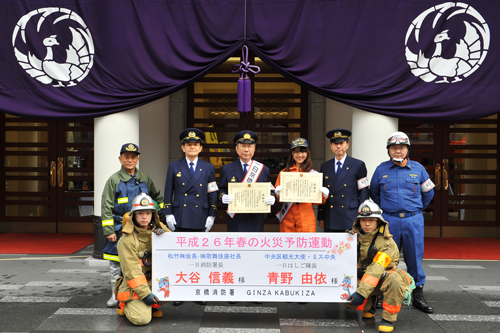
<point x="298" y="217"/>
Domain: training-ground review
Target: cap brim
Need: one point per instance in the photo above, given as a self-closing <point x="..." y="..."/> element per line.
<point x="191" y="140"/>
<point x="245" y="141"/>
<point x="338" y="140"/>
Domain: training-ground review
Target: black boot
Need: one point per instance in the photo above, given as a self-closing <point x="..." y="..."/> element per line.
<point x="380" y="302"/>
<point x="419" y="301"/>
<point x="371" y="312"/>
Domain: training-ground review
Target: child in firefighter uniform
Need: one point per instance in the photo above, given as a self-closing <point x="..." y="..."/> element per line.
<point x="133" y="289"/>
<point x="378" y="272"/>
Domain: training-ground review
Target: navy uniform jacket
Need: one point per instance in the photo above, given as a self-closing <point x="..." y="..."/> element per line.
<point x="341" y="207"/>
<point x="186" y="197"/>
<point x="233" y="172"/>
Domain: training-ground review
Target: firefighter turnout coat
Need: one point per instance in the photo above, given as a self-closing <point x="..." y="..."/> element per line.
<point x="381" y="273"/>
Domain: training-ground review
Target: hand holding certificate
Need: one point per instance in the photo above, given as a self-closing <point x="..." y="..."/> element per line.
<point x="249" y="197"/>
<point x="301" y="187"/>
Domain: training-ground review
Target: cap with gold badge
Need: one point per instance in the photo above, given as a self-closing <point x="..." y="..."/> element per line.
<point x="130" y="148"/>
<point x="245" y="137"/>
<point x="299" y="142"/>
<point x="192" y="135"/>
<point x="338" y="135"/>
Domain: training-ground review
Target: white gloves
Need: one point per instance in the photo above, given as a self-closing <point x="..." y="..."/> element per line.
<point x="226" y="199"/>
<point x="278" y="189"/>
<point x="171" y="222"/>
<point x="270" y="200"/>
<point x="325" y="191"/>
<point x="209" y="223"/>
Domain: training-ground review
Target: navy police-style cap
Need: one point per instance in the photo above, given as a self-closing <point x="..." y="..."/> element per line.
<point x="130" y="148"/>
<point x="338" y="135"/>
<point x="299" y="142"/>
<point x="245" y="137"/>
<point x="192" y="135"/>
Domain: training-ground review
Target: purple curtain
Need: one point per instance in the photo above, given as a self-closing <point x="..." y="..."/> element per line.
<point x="418" y="59"/>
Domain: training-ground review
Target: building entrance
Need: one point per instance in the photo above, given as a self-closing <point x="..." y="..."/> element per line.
<point x="462" y="160"/>
<point x="47" y="175"/>
<point x="279" y="115"/>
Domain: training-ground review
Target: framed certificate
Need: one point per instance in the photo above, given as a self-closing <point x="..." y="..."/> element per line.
<point x="249" y="197"/>
<point x="301" y="187"/>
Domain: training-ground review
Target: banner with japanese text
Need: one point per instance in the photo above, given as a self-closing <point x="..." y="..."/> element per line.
<point x="291" y="267"/>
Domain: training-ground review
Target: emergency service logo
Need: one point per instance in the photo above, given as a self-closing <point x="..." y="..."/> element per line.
<point x="54" y="46"/>
<point x="447" y="43"/>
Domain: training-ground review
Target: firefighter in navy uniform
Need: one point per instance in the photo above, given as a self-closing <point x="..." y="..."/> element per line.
<point x="403" y="190"/>
<point x="378" y="272"/>
<point x="190" y="189"/>
<point x="346" y="179"/>
<point x="119" y="191"/>
<point x="133" y="288"/>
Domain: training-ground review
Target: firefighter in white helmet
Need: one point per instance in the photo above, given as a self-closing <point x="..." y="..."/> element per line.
<point x="403" y="189"/>
<point x="133" y="289"/>
<point x="378" y="272"/>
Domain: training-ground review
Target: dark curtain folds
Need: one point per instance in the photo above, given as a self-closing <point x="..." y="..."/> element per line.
<point x="144" y="50"/>
<point x="354" y="51"/>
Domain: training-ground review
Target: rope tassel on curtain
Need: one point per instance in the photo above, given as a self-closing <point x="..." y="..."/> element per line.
<point x="244" y="83"/>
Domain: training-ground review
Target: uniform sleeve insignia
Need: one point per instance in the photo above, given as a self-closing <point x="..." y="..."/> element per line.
<point x="427" y="186"/>
<point x="212" y="187"/>
<point x="363" y="182"/>
<point x="382" y="259"/>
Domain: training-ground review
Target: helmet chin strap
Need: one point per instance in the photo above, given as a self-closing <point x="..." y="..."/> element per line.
<point x="398" y="160"/>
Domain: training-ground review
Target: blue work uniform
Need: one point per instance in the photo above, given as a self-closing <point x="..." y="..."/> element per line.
<point x="403" y="193"/>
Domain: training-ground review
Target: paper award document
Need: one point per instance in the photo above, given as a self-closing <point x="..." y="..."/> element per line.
<point x="301" y="187"/>
<point x="249" y="197"/>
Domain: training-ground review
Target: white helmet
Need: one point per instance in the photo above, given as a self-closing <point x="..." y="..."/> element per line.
<point x="142" y="202"/>
<point x="369" y="209"/>
<point x="398" y="138"/>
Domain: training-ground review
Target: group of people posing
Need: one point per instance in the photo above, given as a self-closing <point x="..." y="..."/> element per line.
<point x="400" y="189"/>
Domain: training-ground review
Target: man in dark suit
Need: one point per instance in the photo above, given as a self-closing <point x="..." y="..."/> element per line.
<point x="244" y="170"/>
<point x="346" y="179"/>
<point x="190" y="189"/>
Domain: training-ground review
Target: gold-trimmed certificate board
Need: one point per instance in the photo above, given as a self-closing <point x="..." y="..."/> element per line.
<point x="301" y="187"/>
<point x="249" y="197"/>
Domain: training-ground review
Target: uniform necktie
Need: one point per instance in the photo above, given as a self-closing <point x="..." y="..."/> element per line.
<point x="191" y="168"/>
<point x="339" y="166"/>
<point x="245" y="168"/>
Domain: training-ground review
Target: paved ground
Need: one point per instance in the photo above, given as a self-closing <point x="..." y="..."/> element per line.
<point x="43" y="293"/>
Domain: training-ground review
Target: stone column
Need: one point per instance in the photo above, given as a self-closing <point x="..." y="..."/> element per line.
<point x="370" y="132"/>
<point x="110" y="133"/>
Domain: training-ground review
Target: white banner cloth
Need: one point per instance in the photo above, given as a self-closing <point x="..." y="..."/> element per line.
<point x="282" y="267"/>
